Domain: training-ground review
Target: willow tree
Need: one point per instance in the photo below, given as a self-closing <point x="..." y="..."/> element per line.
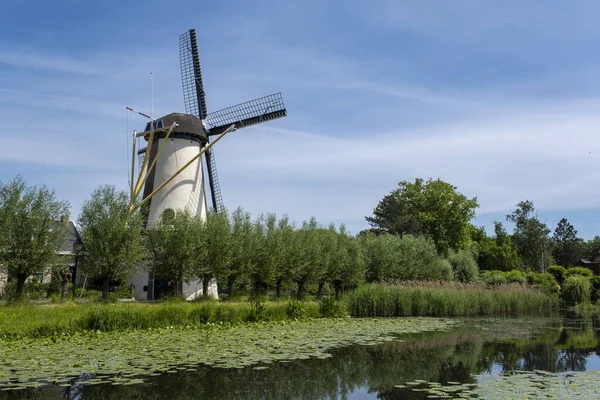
<point x="31" y="229"/>
<point x="112" y="236"/>
<point x="242" y="247"/>
<point x="173" y="252"/>
<point x="308" y="265"/>
<point x="347" y="266"/>
<point x="213" y="248"/>
<point x="287" y="247"/>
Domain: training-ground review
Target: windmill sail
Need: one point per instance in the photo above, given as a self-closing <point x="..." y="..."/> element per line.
<point x="252" y="112"/>
<point x="195" y="103"/>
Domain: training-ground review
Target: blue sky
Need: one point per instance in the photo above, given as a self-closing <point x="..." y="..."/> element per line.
<point x="500" y="98"/>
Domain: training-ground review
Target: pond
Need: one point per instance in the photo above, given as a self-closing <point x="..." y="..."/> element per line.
<point x="478" y="358"/>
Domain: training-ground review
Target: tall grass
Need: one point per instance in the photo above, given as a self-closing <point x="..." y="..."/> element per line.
<point x="58" y="319"/>
<point x="445" y="299"/>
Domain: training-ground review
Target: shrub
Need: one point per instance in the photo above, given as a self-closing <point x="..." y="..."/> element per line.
<point x="331" y="308"/>
<point x="543" y="281"/>
<point x="493" y="278"/>
<point x="595" y="282"/>
<point x="515" y="276"/>
<point x="577" y="289"/>
<point x="258" y="311"/>
<point x="295" y="310"/>
<point x="581" y="271"/>
<point x="558" y="272"/>
<point x="390" y="257"/>
<point x="464" y="266"/>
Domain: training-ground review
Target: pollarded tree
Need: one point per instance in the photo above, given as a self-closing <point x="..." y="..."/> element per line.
<point x="285" y="253"/>
<point x="380" y="255"/>
<point x="172" y="247"/>
<point x="432" y="208"/>
<point x="242" y="246"/>
<point x="112" y="235"/>
<point x="213" y="249"/>
<point x="32" y="229"/>
<point x="347" y="267"/>
<point x="328" y="259"/>
<point x="262" y="271"/>
<point x="308" y="267"/>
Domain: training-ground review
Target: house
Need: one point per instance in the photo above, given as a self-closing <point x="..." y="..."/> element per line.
<point x="71" y="252"/>
<point x="591" y="263"/>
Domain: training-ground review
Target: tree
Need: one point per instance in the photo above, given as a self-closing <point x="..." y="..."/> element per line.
<point x="568" y="246"/>
<point x="531" y="236"/>
<point x="112" y="235"/>
<point x="32" y="229"/>
<point x="286" y="251"/>
<point x="346" y="266"/>
<point x="213" y="248"/>
<point x="433" y="208"/>
<point x="242" y="249"/>
<point x="308" y="261"/>
<point x="172" y="247"/>
<point x="497" y="253"/>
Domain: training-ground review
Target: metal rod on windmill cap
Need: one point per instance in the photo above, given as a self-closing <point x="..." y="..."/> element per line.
<point x="141" y="113"/>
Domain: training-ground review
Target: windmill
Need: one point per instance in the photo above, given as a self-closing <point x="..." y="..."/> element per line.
<point x="171" y="173"/>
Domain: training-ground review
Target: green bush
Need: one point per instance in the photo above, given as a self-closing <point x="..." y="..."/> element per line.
<point x="577" y="289"/>
<point x="595" y="282"/>
<point x="543" y="281"/>
<point x="258" y="311"/>
<point x="493" y="278"/>
<point x="515" y="276"/>
<point x="331" y="308"/>
<point x="558" y="272"/>
<point x="464" y="266"/>
<point x="581" y="271"/>
<point x="295" y="310"/>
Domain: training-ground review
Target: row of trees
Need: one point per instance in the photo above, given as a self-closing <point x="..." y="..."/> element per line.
<point x="422" y="230"/>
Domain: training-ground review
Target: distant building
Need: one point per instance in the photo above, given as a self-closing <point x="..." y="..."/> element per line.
<point x="591" y="263"/>
<point x="71" y="251"/>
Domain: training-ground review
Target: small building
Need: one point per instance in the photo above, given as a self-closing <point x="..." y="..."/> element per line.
<point x="71" y="252"/>
<point x="591" y="263"/>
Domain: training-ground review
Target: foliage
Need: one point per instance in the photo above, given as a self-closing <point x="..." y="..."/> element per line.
<point x="212" y="247"/>
<point x="112" y="235"/>
<point x="404" y="258"/>
<point x="558" y="272"/>
<point x="433" y="208"/>
<point x="464" y="266"/>
<point x="515" y="276"/>
<point x="31" y="229"/>
<point x="543" y="281"/>
<point x="493" y="278"/>
<point x="497" y="253"/>
<point x="531" y="237"/>
<point x="582" y="271"/>
<point x="295" y="310"/>
<point x="332" y="308"/>
<point x="174" y="249"/>
<point x="444" y="299"/>
<point x="567" y="250"/>
<point x="577" y="289"/>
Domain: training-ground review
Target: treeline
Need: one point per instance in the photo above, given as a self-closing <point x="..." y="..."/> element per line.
<point x="420" y="231"/>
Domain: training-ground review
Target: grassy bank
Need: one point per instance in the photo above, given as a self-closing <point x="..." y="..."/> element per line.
<point x="58" y="319"/>
<point x="446" y="299"/>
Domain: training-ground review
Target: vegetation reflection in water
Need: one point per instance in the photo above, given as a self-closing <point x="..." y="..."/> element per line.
<point x="477" y="359"/>
<point x="125" y="357"/>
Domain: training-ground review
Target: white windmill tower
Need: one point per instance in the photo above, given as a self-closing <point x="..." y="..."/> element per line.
<point x="171" y="173"/>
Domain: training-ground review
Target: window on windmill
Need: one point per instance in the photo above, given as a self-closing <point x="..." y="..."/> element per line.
<point x="168" y="215"/>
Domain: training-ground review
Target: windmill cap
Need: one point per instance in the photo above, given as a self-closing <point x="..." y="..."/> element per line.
<point x="187" y="124"/>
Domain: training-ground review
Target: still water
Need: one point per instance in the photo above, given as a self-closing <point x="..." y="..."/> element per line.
<point x="470" y="353"/>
